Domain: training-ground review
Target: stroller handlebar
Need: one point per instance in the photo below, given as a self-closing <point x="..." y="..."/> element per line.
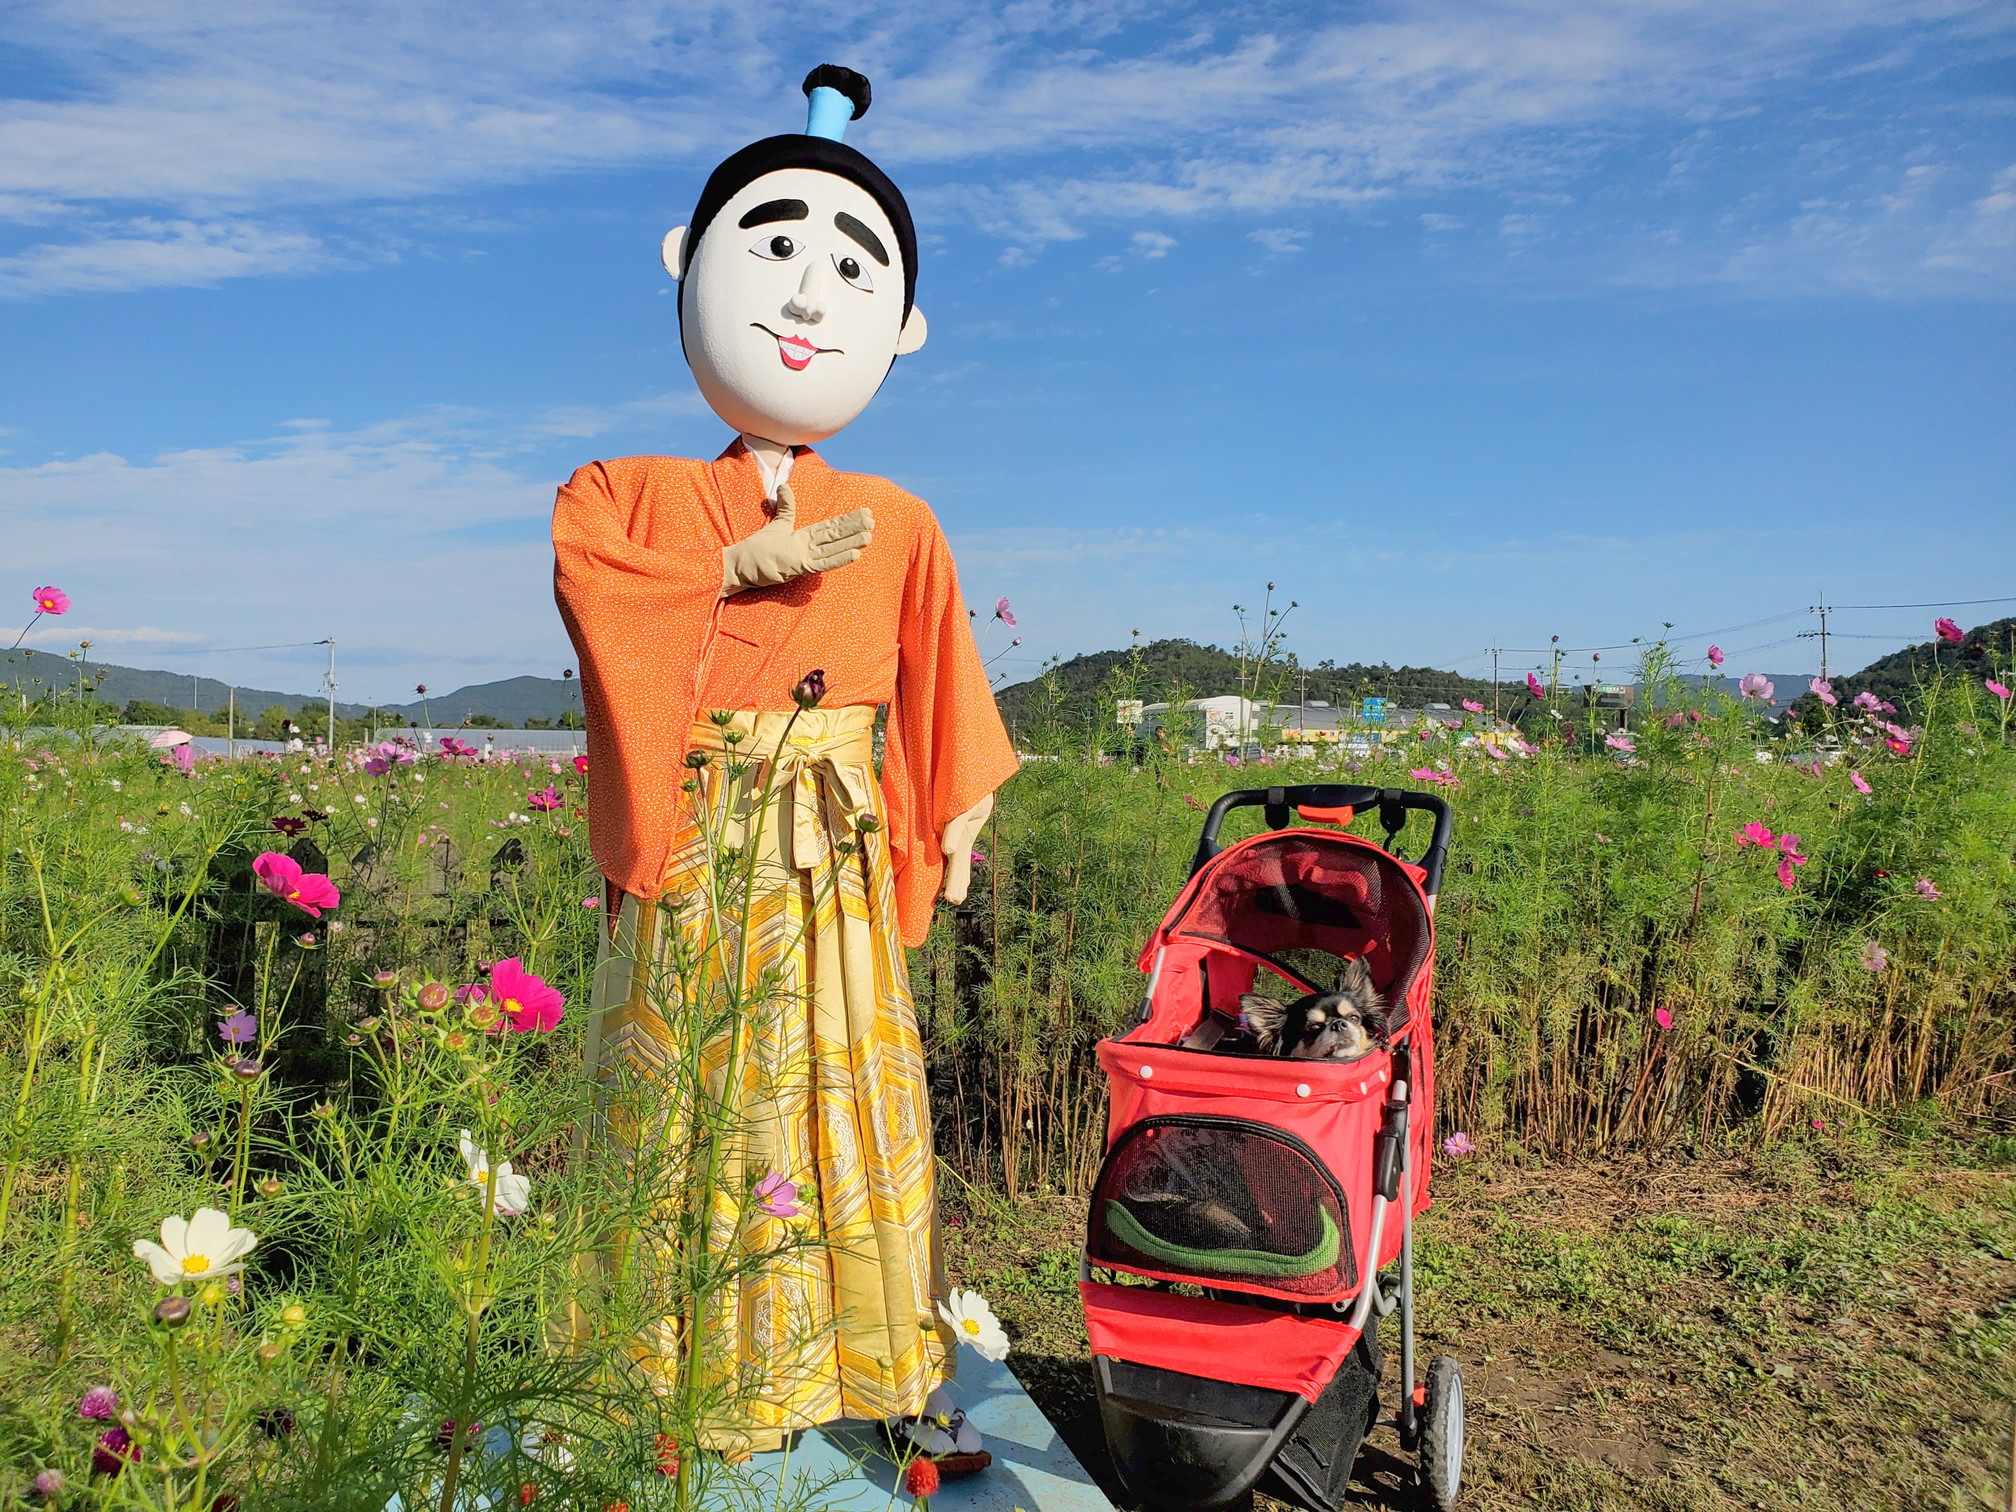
<point x="1281" y="802"/>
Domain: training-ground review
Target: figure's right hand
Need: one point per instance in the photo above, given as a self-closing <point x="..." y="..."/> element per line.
<point x="779" y="551"/>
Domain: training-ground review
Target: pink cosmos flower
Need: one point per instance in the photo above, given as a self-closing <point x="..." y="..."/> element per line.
<point x="528" y="1003"/>
<point x="1927" y="889"/>
<point x="1789" y="857"/>
<point x="1996" y="688"/>
<point x="376" y="766"/>
<point x="979" y="857"/>
<point x="238" y="1028"/>
<point x="1754" y="833"/>
<point x="1869" y="703"/>
<point x="51" y="601"/>
<point x="311" y="892"/>
<point x="1618" y="741"/>
<point x="1533" y="686"/>
<point x="1874" y="957"/>
<point x="1675" y="721"/>
<point x="1824" y="691"/>
<point x="1232" y="760"/>
<point x="1860" y="783"/>
<point x="1948" y="632"/>
<point x="591" y="902"/>
<point x="546" y="799"/>
<point x="777" y="1196"/>
<point x="1714" y="656"/>
<point x="581" y="765"/>
<point x="1472" y="706"/>
<point x="1458" y="1145"/>
<point x="1003" y="613"/>
<point x="1755" y="685"/>
<point x="1662" y="1018"/>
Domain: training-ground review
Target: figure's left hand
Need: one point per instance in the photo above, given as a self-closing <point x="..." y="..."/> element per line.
<point x="958" y="846"/>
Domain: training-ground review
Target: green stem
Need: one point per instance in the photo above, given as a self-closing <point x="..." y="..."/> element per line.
<point x="474" y="1305"/>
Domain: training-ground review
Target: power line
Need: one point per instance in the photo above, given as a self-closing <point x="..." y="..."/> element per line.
<point x="1942" y="604"/>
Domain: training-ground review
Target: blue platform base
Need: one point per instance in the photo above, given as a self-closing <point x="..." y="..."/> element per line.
<point x="1033" y="1471"/>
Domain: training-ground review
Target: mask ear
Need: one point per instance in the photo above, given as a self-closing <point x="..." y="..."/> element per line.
<point x="672" y="252"/>
<point x="913" y="334"/>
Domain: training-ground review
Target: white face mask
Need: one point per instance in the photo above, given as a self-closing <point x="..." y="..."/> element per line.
<point x="791" y="322"/>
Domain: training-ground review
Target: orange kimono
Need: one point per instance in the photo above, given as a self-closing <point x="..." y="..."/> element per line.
<point x="831" y="1093"/>
<point x="637" y="547"/>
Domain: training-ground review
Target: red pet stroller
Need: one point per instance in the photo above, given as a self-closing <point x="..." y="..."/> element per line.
<point x="1247" y="1205"/>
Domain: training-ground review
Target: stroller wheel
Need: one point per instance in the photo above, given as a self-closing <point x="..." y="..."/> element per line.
<point x="1442" y="1433"/>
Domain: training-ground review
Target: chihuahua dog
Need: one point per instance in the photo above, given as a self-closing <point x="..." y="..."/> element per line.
<point x="1341" y="1025"/>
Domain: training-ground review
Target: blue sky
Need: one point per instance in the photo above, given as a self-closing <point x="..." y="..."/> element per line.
<point x="1460" y="322"/>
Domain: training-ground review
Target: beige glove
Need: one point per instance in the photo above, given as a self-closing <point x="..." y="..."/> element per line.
<point x="958" y="845"/>
<point x="779" y="552"/>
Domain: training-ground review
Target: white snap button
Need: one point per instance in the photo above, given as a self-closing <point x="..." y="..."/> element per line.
<point x="1147" y="1073"/>
<point x="1302" y="1090"/>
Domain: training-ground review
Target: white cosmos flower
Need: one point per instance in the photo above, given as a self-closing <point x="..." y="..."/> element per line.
<point x="196" y="1249"/>
<point x="514" y="1192"/>
<point x="974" y="1321"/>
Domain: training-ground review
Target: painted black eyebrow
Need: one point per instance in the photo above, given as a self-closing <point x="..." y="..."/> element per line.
<point x="870" y="242"/>
<point x="774" y="210"/>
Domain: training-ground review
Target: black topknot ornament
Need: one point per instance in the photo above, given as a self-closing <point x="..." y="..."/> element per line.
<point x="846" y="80"/>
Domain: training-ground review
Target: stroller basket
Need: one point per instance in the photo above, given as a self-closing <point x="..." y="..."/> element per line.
<point x="1246" y="1203"/>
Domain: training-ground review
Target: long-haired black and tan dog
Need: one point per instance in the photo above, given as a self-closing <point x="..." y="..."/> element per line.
<point x="1341" y="1025"/>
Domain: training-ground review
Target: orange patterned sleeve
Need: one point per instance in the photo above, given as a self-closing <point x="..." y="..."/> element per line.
<point x="639" y="612"/>
<point x="946" y="746"/>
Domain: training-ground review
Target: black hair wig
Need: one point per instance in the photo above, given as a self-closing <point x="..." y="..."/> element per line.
<point x="797" y="150"/>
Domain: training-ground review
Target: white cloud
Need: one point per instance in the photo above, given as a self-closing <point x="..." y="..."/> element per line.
<point x="1152" y="243"/>
<point x="237" y="125"/>
<point x="60" y="633"/>
<point x="1279" y="239"/>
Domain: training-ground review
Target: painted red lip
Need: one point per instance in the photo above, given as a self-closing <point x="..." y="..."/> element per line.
<point x="796" y="351"/>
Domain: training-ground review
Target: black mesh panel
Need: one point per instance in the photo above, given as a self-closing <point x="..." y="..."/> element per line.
<point x="1220" y="1200"/>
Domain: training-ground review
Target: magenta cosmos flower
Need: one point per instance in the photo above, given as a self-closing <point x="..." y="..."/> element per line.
<point x="1996" y="688"/>
<point x="1824" y="691"/>
<point x="1948" y="632"/>
<point x="1860" y="783"/>
<point x="1714" y="656"/>
<point x="1533" y="686"/>
<point x="311" y="892"/>
<point x="51" y="601"/>
<point x="777" y="1196"/>
<point x="1662" y="1018"/>
<point x="1003" y="613"/>
<point x="1927" y="889"/>
<point x="1471" y="706"/>
<point x="528" y="1003"/>
<point x="546" y="799"/>
<point x="1754" y="833"/>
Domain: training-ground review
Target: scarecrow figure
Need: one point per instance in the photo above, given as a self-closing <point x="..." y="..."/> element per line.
<point x="697" y="594"/>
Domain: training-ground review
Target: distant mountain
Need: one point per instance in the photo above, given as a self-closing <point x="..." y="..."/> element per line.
<point x="1896" y="678"/>
<point x="1211" y="671"/>
<point x="513" y="700"/>
<point x="38" y="671"/>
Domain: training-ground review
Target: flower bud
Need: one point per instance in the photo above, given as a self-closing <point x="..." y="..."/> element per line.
<point x="270" y="1350"/>
<point x="324" y="1110"/>
<point x="47" y="1484"/>
<point x="211" y="1295"/>
<point x="367" y="1025"/>
<point x="247" y="1070"/>
<point x="270" y="1186"/>
<point x="132" y="897"/>
<point x="433" y="997"/>
<point x="385" y="979"/>
<point x="698" y="759"/>
<point x="868" y="824"/>
<point x="293" y="1315"/>
<point x="172" y="1312"/>
<point x="810" y="689"/>
<point x="306" y="941"/>
<point x="200" y="1140"/>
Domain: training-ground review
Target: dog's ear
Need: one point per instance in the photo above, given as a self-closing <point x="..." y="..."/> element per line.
<point x="1376" y="1023"/>
<point x="1357" y="977"/>
<point x="1264" y="1016"/>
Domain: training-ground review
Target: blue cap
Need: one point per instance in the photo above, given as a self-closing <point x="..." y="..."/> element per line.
<point x="838" y="95"/>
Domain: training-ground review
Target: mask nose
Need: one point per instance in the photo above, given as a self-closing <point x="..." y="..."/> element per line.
<point x="809" y="303"/>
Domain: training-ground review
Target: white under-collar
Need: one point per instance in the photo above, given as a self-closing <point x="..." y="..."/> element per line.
<point x="773" y="462"/>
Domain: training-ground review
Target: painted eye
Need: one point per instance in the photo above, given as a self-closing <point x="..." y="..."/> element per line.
<point x="776" y="248"/>
<point x="854" y="273"/>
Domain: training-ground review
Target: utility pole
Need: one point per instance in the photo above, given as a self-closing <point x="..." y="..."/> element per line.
<point x="193" y="707"/>
<point x="329" y="687"/>
<point x="231" y="724"/>
<point x="1494" y="680"/>
<point x="1823" y="609"/>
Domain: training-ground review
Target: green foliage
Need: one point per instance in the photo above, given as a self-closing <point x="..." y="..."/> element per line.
<point x="1589" y="891"/>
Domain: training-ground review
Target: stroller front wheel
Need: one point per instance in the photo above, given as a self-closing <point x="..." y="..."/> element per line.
<point x="1442" y="1433"/>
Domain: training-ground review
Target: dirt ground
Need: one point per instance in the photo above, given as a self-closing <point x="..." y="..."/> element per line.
<point x="1803" y="1330"/>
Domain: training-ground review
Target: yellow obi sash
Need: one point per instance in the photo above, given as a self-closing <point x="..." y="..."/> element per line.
<point x="823" y="770"/>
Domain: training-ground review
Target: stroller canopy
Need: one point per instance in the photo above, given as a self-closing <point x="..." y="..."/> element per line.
<point x="1306" y="901"/>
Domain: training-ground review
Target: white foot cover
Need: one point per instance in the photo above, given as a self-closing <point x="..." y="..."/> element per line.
<point x="943" y="1428"/>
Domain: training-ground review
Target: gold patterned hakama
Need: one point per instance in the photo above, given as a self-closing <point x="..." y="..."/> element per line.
<point x="828" y="1082"/>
